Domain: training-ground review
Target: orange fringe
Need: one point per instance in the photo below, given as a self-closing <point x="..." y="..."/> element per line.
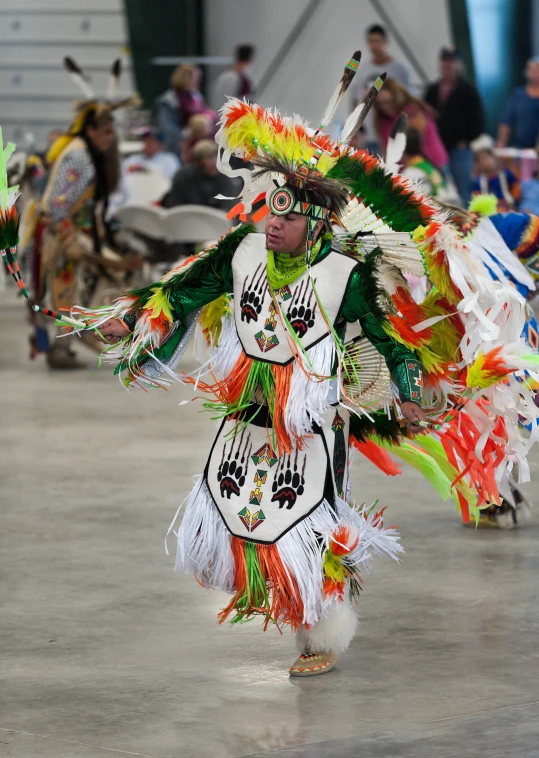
<point x="333" y="588"/>
<point x="240" y="577"/>
<point x="460" y="441"/>
<point x="286" y="605"/>
<point x="282" y="376"/>
<point x="286" y="602"/>
<point x="229" y="389"/>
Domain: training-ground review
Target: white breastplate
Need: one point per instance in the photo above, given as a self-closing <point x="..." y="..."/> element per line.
<point x="260" y="318"/>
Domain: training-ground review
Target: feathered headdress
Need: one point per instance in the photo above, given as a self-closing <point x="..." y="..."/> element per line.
<point x="90" y="103"/>
<point x="262" y="138"/>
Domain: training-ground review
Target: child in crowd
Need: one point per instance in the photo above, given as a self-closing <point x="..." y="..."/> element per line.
<point x="429" y="180"/>
<point x="491" y="178"/>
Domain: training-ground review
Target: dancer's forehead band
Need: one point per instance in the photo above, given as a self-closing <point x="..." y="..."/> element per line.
<point x="283" y="200"/>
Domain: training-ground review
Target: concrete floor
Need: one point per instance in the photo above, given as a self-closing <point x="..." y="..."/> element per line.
<point x="106" y="651"/>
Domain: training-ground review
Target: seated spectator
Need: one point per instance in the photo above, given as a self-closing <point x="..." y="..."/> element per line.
<point x="392" y="100"/>
<point x="176" y="106"/>
<point x="199" y="183"/>
<point x="529" y="195"/>
<point x="235" y="82"/>
<point x="154" y="155"/>
<point x="519" y="125"/>
<point x="491" y="178"/>
<point x="427" y="178"/>
<point x="198" y="129"/>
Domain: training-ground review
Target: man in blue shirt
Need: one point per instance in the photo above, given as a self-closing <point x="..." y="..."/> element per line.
<point x="519" y="126"/>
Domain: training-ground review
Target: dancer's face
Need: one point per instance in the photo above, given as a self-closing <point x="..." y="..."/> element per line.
<point x="286" y="234"/>
<point x="101" y="137"/>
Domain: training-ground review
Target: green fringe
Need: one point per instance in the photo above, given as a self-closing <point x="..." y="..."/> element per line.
<point x="256" y="594"/>
<point x="260" y="374"/>
<point x="214" y="260"/>
<point x="376" y="189"/>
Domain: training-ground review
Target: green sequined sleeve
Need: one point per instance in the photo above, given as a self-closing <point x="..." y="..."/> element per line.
<point x="206" y="279"/>
<point x="360" y="305"/>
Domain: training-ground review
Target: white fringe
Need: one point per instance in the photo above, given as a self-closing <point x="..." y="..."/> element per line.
<point x="224" y="355"/>
<point x="333" y="633"/>
<point x="375" y="539"/>
<point x="204" y="547"/>
<point x="309" y="398"/>
<point x="204" y="543"/>
<point x="301" y="553"/>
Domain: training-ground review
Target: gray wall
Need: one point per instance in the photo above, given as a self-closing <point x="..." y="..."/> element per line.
<point x="35" y="91"/>
<point x="312" y="68"/>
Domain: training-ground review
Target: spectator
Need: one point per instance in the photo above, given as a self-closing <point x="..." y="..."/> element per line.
<point x="200" y="182"/>
<point x="491" y="178"/>
<point x="520" y="121"/>
<point x="428" y="179"/>
<point x="381" y="61"/>
<point x="392" y="100"/>
<point x="154" y="156"/>
<point x="176" y="106"/>
<point x="459" y="117"/>
<point x="197" y="130"/>
<point x="235" y="82"/>
<point x="529" y="195"/>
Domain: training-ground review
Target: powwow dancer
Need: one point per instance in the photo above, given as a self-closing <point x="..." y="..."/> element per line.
<point x="271" y="520"/>
<point x="72" y="261"/>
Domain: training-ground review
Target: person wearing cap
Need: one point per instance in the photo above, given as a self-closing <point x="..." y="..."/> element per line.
<point x="154" y="155"/>
<point x="493" y="179"/>
<point x="460" y="117"/>
<point x="519" y="126"/>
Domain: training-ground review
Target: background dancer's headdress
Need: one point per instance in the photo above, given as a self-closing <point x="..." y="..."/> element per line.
<point x="91" y="105"/>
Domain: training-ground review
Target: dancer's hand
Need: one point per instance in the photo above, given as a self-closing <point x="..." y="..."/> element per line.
<point x="112" y="331"/>
<point x="413" y="413"/>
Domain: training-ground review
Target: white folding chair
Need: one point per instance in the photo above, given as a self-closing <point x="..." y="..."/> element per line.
<point x="143" y="219"/>
<point x="195" y="223"/>
<point x="146" y="187"/>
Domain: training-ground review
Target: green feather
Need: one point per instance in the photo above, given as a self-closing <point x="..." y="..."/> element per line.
<point x="423" y="463"/>
<point x="372" y="186"/>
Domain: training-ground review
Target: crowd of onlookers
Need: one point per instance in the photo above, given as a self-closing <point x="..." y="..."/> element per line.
<point x="448" y="150"/>
<point x="180" y="145"/>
